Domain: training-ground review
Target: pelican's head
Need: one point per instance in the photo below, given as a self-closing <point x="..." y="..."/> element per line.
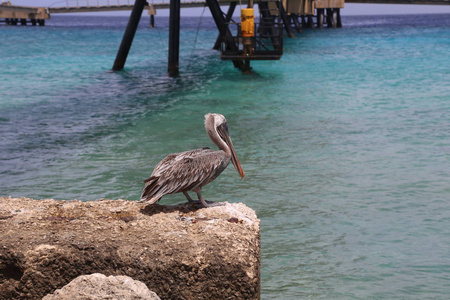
<point x="217" y="129"/>
<point x="215" y="119"/>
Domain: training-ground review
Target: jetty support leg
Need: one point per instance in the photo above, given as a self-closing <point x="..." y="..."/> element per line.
<point x="152" y="13"/>
<point x="267" y="24"/>
<point x="283" y="15"/>
<point x="174" y="37"/>
<point x="296" y="23"/>
<point x="310" y="22"/>
<point x="331" y="18"/>
<point x="320" y="15"/>
<point x="228" y="17"/>
<point x="152" y="21"/>
<point x="225" y="32"/>
<point x="334" y="18"/>
<point x="338" y="13"/>
<point x="128" y="36"/>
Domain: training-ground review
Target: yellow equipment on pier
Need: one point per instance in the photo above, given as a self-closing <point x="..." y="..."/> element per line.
<point x="254" y="41"/>
<point x="247" y="30"/>
<point x="247" y="22"/>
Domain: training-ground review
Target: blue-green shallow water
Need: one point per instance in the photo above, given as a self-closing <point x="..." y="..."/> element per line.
<point x="345" y="142"/>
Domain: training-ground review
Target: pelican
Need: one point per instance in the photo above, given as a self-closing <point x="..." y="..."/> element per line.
<point x="191" y="170"/>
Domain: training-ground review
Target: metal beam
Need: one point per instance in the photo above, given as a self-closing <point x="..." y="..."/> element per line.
<point x="228" y="17"/>
<point x="224" y="31"/>
<point x="174" y="37"/>
<point x="128" y="36"/>
<point x="297" y="24"/>
<point x="267" y="23"/>
<point x="284" y="17"/>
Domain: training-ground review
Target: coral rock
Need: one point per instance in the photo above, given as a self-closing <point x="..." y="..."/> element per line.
<point x="179" y="252"/>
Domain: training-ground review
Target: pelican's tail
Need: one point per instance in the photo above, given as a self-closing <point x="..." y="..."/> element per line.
<point x="150" y="191"/>
<point x="149" y="200"/>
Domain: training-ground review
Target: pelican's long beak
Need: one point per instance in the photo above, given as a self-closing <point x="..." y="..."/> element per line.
<point x="234" y="159"/>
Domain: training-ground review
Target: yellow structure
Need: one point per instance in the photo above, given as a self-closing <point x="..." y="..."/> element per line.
<point x="247" y="22"/>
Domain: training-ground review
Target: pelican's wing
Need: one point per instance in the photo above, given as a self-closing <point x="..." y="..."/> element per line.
<point x="182" y="172"/>
<point x="170" y="160"/>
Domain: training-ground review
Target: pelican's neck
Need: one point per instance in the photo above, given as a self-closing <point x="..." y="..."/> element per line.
<point x="211" y="129"/>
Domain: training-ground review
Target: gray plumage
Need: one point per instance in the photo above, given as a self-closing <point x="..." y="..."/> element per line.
<point x="191" y="170"/>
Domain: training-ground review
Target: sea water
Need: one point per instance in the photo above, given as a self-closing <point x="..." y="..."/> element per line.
<point x="345" y="142"/>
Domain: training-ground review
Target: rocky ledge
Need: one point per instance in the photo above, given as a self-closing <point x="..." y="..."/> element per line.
<point x="179" y="252"/>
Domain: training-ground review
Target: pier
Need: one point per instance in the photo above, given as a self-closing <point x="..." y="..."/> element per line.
<point x="14" y="15"/>
<point x="239" y="42"/>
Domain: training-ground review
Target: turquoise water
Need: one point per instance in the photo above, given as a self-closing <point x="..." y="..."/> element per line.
<point x="345" y="141"/>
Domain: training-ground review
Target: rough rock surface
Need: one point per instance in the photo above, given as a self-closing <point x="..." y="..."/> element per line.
<point x="179" y="252"/>
<point x="99" y="287"/>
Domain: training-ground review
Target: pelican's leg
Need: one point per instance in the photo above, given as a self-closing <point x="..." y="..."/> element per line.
<point x="199" y="195"/>
<point x="188" y="197"/>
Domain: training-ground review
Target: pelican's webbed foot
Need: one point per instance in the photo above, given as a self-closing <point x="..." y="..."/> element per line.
<point x="202" y="201"/>
<point x="208" y="203"/>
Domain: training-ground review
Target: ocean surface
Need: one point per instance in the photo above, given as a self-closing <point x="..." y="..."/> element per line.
<point x="345" y="142"/>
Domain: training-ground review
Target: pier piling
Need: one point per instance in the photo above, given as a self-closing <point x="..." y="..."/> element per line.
<point x="338" y="14"/>
<point x="284" y="17"/>
<point x="228" y="17"/>
<point x="128" y="36"/>
<point x="174" y="37"/>
<point x="297" y="24"/>
<point x="152" y="13"/>
<point x="224" y="31"/>
<point x="310" y="22"/>
<point x="152" y="21"/>
<point x="320" y="15"/>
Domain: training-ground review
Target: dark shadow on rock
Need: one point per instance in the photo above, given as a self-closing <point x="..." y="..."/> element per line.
<point x="10" y="265"/>
<point x="187" y="207"/>
<point x="156" y="208"/>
